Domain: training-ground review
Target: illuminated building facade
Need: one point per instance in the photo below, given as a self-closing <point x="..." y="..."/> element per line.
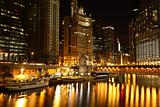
<point x="13" y="37"/>
<point x="145" y="33"/>
<point x="47" y="49"/>
<point x="82" y="43"/>
<point x="78" y="36"/>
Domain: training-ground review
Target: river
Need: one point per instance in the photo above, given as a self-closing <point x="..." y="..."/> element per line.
<point x="129" y="90"/>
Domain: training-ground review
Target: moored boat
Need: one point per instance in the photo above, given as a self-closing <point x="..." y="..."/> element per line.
<point x="14" y="86"/>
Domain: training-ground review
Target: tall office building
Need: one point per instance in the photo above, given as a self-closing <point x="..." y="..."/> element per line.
<point x="67" y="38"/>
<point x="132" y="47"/>
<point x="47" y="49"/>
<point x="13" y="37"/>
<point x="145" y="29"/>
<point x="82" y="36"/>
<point x="109" y="45"/>
<point x="97" y="42"/>
<point x="78" y="36"/>
<point x="32" y="28"/>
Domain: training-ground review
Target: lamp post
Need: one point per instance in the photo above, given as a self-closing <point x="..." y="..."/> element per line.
<point x="32" y="53"/>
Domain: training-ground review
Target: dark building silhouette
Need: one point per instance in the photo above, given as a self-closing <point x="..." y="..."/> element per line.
<point x="13" y="36"/>
<point x="109" y="40"/>
<point x="97" y="42"/>
<point x="43" y="30"/>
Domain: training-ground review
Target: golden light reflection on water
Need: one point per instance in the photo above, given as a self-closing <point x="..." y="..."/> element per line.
<point x="93" y="97"/>
<point x="159" y="97"/>
<point x="130" y="93"/>
<point x="21" y="102"/>
<point x="132" y="96"/>
<point x="154" y="98"/>
<point x="34" y="100"/>
<point x="127" y="95"/>
<point x="148" y="97"/>
<point x="137" y="97"/>
<point x="1" y="99"/>
<point x="102" y="93"/>
<point x="117" y="94"/>
<point x="142" y="97"/>
<point x="56" y="102"/>
<point x="42" y="98"/>
<point x="71" y="96"/>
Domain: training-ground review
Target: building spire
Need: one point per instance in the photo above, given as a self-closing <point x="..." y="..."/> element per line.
<point x="74" y="7"/>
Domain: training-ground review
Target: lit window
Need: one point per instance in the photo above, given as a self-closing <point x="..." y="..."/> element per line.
<point x="3" y="13"/>
<point x="154" y="14"/>
<point x="14" y="17"/>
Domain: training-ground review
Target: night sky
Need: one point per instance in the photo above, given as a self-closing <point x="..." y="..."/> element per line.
<point x="110" y="12"/>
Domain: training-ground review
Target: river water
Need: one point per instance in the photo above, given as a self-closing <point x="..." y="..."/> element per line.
<point x="129" y="90"/>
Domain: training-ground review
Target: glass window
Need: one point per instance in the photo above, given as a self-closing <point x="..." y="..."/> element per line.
<point x="154" y="14"/>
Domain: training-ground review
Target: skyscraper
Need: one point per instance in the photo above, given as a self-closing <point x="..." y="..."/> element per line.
<point x="82" y="36"/>
<point x="145" y="30"/>
<point x="48" y="33"/>
<point x="109" y="44"/>
<point x="13" y="37"/>
<point x="66" y="43"/>
<point x="32" y="28"/>
<point x="97" y="42"/>
<point x="78" y="36"/>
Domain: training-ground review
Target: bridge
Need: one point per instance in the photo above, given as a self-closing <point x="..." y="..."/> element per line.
<point x="111" y="68"/>
<point x="128" y="68"/>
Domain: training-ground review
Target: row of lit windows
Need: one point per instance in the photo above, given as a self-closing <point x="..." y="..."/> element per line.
<point x="4" y="38"/>
<point x="12" y="27"/>
<point x="13" y="43"/>
<point x="14" y="17"/>
<point x="16" y="32"/>
<point x="145" y="14"/>
<point x="10" y="46"/>
<point x="12" y="31"/>
<point x="11" y="13"/>
<point x="142" y="22"/>
<point x="81" y="33"/>
<point x="148" y="49"/>
<point x="10" y="56"/>
<point x="18" y="4"/>
<point x="149" y="62"/>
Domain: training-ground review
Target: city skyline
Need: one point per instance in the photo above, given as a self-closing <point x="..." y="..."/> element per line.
<point x="79" y="53"/>
<point x="114" y="12"/>
<point x="40" y="37"/>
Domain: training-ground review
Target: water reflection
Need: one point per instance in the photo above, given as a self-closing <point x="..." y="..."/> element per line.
<point x="134" y="91"/>
<point x="21" y="102"/>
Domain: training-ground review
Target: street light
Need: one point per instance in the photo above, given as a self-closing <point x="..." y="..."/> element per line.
<point x="32" y="53"/>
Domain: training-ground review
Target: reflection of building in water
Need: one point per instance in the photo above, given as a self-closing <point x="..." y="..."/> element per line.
<point x="148" y="80"/>
<point x="92" y="94"/>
